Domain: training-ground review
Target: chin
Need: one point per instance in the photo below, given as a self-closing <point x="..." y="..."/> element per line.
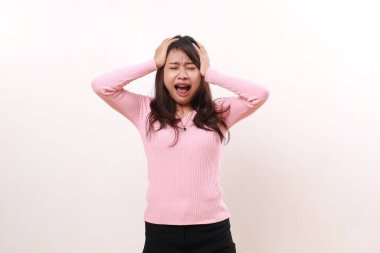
<point x="182" y="102"/>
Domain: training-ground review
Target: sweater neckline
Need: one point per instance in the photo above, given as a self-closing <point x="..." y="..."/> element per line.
<point x="186" y="120"/>
<point x="192" y="114"/>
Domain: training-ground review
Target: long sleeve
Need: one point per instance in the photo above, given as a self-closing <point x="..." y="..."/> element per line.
<point x="109" y="87"/>
<point x="250" y="97"/>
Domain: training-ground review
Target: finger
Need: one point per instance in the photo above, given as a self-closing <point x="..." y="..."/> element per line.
<point x="196" y="43"/>
<point x="196" y="47"/>
<point x="166" y="42"/>
<point x="171" y="40"/>
<point x="199" y="44"/>
<point x="199" y="51"/>
<point x="202" y="47"/>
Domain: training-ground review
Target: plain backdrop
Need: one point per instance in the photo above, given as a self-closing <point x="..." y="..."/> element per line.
<point x="300" y="175"/>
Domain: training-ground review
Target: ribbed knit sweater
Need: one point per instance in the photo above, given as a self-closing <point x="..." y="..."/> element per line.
<point x="183" y="180"/>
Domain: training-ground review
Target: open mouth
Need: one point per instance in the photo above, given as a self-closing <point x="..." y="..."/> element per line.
<point x="182" y="89"/>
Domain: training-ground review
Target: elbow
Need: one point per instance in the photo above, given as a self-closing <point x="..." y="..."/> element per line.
<point x="265" y="95"/>
<point x="103" y="87"/>
<point x="97" y="87"/>
<point x="260" y="98"/>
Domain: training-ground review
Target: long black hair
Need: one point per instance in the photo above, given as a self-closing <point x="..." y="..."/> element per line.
<point x="163" y="107"/>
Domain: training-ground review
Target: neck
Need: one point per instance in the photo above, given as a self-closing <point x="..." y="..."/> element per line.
<point x="184" y="110"/>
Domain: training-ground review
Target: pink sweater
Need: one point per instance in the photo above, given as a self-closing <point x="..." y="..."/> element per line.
<point x="183" y="181"/>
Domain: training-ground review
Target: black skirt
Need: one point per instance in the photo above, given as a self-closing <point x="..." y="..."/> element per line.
<point x="199" y="238"/>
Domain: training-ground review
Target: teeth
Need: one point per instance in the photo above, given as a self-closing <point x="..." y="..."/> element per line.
<point x="187" y="87"/>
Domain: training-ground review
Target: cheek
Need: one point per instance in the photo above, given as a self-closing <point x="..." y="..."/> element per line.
<point x="197" y="79"/>
<point x="197" y="87"/>
<point x="169" y="77"/>
<point x="194" y="75"/>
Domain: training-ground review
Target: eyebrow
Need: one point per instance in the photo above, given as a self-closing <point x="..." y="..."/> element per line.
<point x="186" y="63"/>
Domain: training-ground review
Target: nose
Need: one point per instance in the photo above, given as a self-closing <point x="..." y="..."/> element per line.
<point x="182" y="74"/>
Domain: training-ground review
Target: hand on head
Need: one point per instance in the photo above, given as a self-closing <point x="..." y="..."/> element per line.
<point x="160" y="54"/>
<point x="205" y="62"/>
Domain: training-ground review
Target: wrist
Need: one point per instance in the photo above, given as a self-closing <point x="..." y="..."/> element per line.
<point x="209" y="74"/>
<point x="204" y="71"/>
<point x="156" y="63"/>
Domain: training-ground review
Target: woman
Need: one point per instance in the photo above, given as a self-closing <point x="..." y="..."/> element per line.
<point x="182" y="130"/>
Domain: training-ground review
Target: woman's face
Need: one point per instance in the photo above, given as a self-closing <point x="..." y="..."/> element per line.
<point x="181" y="77"/>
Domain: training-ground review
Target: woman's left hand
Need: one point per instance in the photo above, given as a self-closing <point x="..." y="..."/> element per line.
<point x="205" y="62"/>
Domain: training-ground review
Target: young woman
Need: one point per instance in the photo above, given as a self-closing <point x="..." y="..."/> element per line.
<point x="182" y="130"/>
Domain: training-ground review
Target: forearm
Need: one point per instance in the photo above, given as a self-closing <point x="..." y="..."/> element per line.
<point x="109" y="87"/>
<point x="251" y="92"/>
<point x="114" y="81"/>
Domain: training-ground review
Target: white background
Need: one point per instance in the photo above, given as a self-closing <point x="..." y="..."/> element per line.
<point x="299" y="175"/>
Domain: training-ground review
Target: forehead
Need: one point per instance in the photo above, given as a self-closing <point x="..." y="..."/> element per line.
<point x="177" y="55"/>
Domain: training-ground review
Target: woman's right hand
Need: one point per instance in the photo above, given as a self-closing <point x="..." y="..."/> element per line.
<point x="160" y="54"/>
